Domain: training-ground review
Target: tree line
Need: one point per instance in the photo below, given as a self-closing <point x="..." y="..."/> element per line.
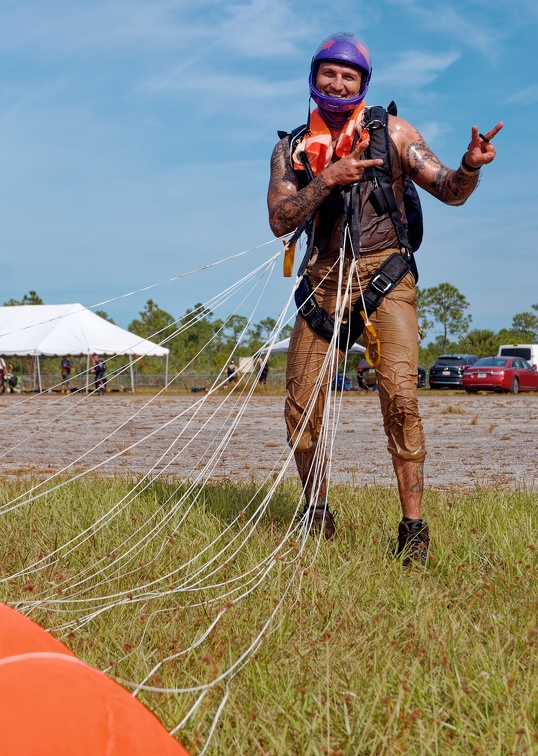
<point x="205" y="343"/>
<point x="443" y="314"/>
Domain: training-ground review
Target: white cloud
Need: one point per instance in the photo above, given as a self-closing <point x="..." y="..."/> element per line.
<point x="459" y="25"/>
<point x="432" y="131"/>
<point x="417" y="68"/>
<point x="212" y="86"/>
<point x="526" y="96"/>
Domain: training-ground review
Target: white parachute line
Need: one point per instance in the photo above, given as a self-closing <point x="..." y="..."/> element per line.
<point x="238" y="662"/>
<point x="212" y="684"/>
<point x="147" y="288"/>
<point x="190" y="273"/>
<point x="142" y="542"/>
<point x="66" y="468"/>
<point x="343" y="305"/>
<point x="252" y="522"/>
<point x="215" y="301"/>
<point x="235" y="668"/>
<point x="189" y="714"/>
<point x="215" y="721"/>
<point x="92" y="529"/>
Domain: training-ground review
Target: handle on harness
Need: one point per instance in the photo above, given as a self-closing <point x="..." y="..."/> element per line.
<point x="373" y="337"/>
<point x="289" y="257"/>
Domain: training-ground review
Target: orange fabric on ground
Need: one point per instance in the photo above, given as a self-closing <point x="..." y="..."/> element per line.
<point x="53" y="704"/>
<point x="19" y="635"/>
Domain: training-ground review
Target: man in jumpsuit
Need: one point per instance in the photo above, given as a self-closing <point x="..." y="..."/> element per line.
<point x="334" y="144"/>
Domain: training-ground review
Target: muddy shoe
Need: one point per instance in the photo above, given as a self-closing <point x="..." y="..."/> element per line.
<point x="413" y="542"/>
<point x="321" y="519"/>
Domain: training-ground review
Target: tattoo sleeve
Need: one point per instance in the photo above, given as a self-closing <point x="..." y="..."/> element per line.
<point x="288" y="204"/>
<point x="450" y="186"/>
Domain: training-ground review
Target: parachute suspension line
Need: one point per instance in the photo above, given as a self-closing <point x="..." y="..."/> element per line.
<point x="8" y="508"/>
<point x="198" y="572"/>
<point x="93" y="530"/>
<point x="196" y="314"/>
<point x="372" y="337"/>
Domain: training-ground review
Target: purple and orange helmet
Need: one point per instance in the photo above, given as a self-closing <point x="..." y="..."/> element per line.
<point x="348" y="50"/>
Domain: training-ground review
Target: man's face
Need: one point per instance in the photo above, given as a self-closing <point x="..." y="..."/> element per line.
<point x="335" y="80"/>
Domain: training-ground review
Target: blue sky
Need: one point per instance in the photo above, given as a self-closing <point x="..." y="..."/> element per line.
<point x="135" y="139"/>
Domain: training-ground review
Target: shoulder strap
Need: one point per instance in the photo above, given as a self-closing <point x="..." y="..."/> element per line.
<point x="377" y="124"/>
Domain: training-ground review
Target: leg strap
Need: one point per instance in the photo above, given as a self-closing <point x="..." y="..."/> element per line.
<point x="384" y="280"/>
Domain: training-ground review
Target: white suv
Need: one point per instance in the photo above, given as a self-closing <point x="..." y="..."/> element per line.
<point x="529" y="352"/>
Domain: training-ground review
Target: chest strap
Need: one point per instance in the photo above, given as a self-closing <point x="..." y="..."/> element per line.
<point x="385" y="279"/>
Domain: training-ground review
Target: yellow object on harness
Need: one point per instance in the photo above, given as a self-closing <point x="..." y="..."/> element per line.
<point x="289" y="257"/>
<point x="373" y="339"/>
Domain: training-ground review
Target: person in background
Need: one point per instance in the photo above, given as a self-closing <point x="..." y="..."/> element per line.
<point x="99" y="370"/>
<point x="263" y="371"/>
<point x="3" y="375"/>
<point x="231" y="371"/>
<point x="65" y="369"/>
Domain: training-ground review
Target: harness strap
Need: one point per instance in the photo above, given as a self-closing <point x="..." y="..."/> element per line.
<point x="387" y="277"/>
<point x="381" y="176"/>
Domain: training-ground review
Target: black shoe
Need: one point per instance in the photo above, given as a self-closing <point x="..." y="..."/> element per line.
<point x="413" y="542"/>
<point x="319" y="519"/>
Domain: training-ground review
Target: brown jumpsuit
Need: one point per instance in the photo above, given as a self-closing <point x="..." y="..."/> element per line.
<point x="396" y="318"/>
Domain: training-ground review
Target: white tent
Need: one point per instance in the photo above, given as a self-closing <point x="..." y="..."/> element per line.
<point x="281" y="347"/>
<point x="56" y="330"/>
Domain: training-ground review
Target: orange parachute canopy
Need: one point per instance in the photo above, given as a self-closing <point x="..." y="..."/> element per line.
<point x="19" y="635"/>
<point x="53" y="704"/>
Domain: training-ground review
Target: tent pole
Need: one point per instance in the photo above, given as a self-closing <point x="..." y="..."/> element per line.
<point x="39" y="375"/>
<point x="132" y="374"/>
<point x="166" y="374"/>
<point x="87" y="373"/>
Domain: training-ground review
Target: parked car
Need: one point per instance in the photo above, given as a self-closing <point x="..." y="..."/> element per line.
<point x="366" y="376"/>
<point x="513" y="374"/>
<point x="421" y="378"/>
<point x="529" y="352"/>
<point x="447" y="370"/>
<point x="341" y="383"/>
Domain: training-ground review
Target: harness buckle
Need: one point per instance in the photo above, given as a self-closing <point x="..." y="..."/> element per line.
<point x="381" y="283"/>
<point x="308" y="307"/>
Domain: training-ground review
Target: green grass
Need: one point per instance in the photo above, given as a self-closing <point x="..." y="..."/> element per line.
<point x="362" y="657"/>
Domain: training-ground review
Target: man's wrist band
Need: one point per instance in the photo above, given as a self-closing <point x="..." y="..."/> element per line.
<point x="468" y="169"/>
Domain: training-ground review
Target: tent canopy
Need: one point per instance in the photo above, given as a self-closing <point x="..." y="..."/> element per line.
<point x="281" y="347"/>
<point x="55" y="330"/>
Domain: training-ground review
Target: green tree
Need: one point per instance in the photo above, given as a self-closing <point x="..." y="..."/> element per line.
<point x="154" y="323"/>
<point x="444" y="305"/>
<point x="483" y="343"/>
<point x="525" y="326"/>
<point x="235" y="328"/>
<point x="201" y="339"/>
<point x="260" y="332"/>
<point x="105" y="316"/>
<point x="29" y="299"/>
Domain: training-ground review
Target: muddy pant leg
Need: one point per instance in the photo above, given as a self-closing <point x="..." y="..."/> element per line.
<point x="397" y="381"/>
<point x="307" y="377"/>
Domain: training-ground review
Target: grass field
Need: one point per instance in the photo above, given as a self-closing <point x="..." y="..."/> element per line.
<point x="362" y="657"/>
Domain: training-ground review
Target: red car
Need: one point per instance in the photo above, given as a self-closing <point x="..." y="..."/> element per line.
<point x="513" y="374"/>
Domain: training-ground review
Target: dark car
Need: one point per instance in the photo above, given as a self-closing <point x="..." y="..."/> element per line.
<point x="447" y="370"/>
<point x="421" y="378"/>
<point x="513" y="374"/>
<point x="366" y="376"/>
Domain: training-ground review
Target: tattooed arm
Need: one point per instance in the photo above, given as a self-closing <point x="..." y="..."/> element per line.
<point x="453" y="187"/>
<point x="289" y="205"/>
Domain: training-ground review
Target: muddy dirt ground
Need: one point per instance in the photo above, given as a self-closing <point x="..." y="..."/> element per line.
<point x="484" y="439"/>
